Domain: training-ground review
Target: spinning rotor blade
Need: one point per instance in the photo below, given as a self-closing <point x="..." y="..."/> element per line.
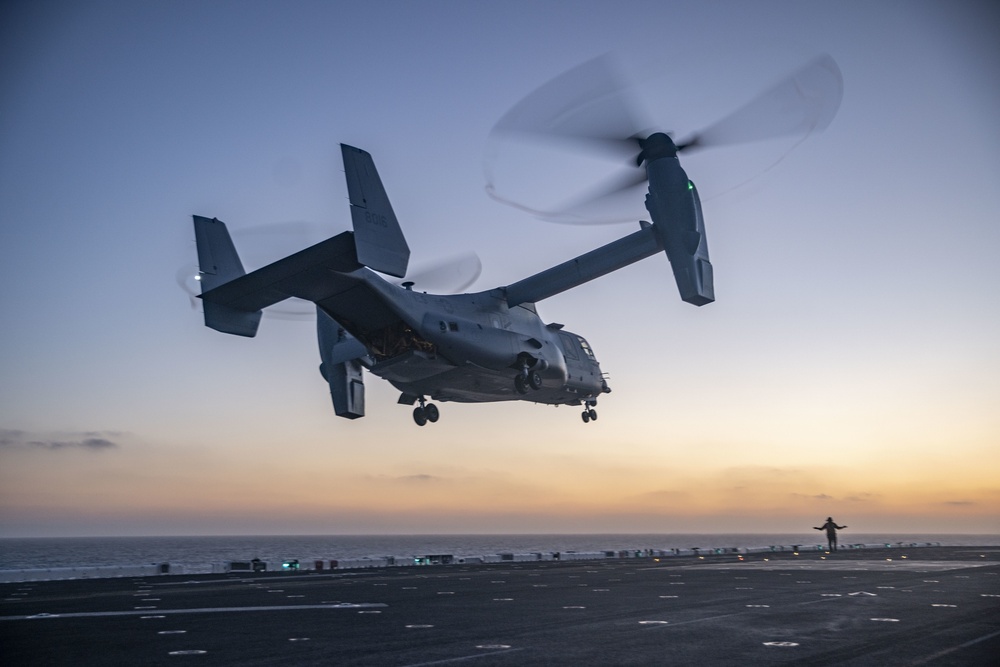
<point x="450" y="275"/>
<point x="804" y="102"/>
<point x="574" y="211"/>
<point x="589" y="108"/>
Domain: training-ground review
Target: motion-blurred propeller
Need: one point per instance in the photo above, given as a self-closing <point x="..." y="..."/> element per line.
<point x="448" y="275"/>
<point x="592" y="109"/>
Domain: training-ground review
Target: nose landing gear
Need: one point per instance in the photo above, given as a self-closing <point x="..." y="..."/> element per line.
<point x="589" y="413"/>
<point x="425" y="412"/>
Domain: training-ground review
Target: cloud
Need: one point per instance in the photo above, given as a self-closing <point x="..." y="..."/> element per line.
<point x="101" y="434"/>
<point x="817" y="496"/>
<point x="89" y="441"/>
<point x="95" y="444"/>
<point x="752" y="472"/>
<point x="958" y="503"/>
<point x="11" y="438"/>
<point x="419" y="478"/>
<point x="863" y="497"/>
<point x="662" y="495"/>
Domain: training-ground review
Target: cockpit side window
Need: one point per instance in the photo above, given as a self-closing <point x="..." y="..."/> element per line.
<point x="569" y="346"/>
<point x="586" y="349"/>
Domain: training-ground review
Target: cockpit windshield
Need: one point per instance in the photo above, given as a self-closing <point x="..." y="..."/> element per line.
<point x="575" y="347"/>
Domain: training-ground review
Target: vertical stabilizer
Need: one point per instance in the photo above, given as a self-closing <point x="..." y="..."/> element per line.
<point x="218" y="264"/>
<point x="379" y="240"/>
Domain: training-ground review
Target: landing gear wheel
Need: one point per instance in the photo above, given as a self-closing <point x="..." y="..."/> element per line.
<point x="431" y="412"/>
<point x="534" y="380"/>
<point x="520" y="384"/>
<point x="586" y="416"/>
<point x="420" y="416"/>
<point x="593" y="414"/>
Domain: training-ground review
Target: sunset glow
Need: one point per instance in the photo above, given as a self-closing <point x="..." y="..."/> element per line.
<point x="849" y="366"/>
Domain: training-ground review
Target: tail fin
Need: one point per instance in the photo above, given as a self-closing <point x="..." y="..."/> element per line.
<point x="377" y="236"/>
<point x="218" y="263"/>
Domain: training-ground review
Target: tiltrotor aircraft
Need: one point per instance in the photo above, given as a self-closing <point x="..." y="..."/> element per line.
<point x="490" y="345"/>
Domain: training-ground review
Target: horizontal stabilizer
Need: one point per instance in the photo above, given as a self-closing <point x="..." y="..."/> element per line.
<point x="232" y="320"/>
<point x="308" y="274"/>
<point x="380" y="242"/>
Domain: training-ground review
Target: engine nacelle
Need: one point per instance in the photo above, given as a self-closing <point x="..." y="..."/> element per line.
<point x="675" y="207"/>
<point x="341" y="367"/>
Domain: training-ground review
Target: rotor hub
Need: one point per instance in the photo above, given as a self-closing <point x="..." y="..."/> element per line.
<point x="655" y="146"/>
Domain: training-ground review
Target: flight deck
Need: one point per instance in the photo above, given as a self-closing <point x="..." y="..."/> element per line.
<point x="924" y="606"/>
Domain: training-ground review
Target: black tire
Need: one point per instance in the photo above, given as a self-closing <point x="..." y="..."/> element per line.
<point x="593" y="415"/>
<point x="520" y="384"/>
<point x="419" y="416"/>
<point x="535" y="380"/>
<point x="586" y="416"/>
<point x="432" y="412"/>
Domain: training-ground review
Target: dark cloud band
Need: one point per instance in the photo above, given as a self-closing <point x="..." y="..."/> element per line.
<point x="91" y="441"/>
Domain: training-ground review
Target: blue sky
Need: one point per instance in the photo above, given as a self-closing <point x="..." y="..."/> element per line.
<point x="849" y="366"/>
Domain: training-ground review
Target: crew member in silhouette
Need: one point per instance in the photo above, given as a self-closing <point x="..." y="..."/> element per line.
<point x="831" y="529"/>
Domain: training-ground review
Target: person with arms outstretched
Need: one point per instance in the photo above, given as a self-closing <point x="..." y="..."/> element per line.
<point x="831" y="529"/>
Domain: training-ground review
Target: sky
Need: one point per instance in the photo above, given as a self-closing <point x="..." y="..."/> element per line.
<point x="849" y="367"/>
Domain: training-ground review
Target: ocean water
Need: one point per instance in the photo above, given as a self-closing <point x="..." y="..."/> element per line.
<point x="198" y="553"/>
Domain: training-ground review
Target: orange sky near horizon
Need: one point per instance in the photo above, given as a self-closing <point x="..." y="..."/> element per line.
<point x="450" y="486"/>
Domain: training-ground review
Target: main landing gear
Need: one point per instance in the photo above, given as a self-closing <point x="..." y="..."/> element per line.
<point x="425" y="412"/>
<point x="526" y="380"/>
<point x="589" y="413"/>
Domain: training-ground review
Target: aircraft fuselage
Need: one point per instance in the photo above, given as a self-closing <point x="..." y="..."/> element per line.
<point x="467" y="347"/>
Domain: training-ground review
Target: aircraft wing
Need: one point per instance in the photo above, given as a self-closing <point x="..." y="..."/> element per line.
<point x="594" y="264"/>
